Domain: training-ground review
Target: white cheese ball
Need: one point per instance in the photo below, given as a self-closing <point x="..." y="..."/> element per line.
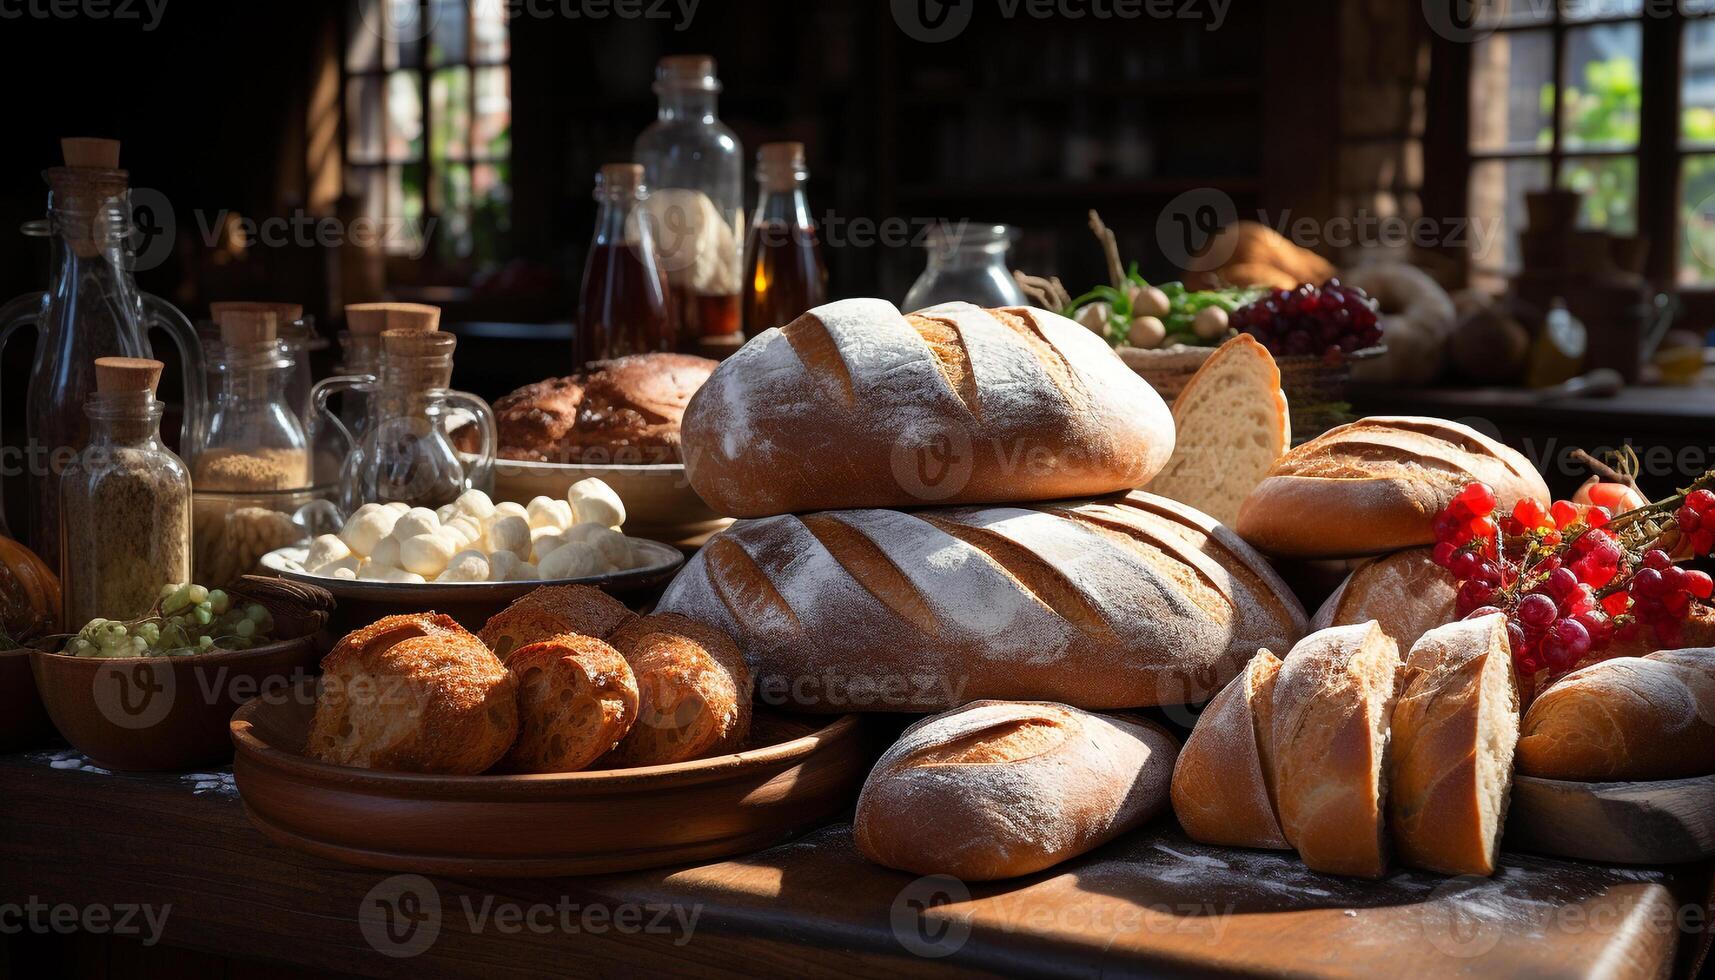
<point x="543" y="540"/>
<point x="414" y="522"/>
<point x="345" y="573"/>
<point x="427" y="554"/>
<point x="361" y="534"/>
<point x="548" y="512"/>
<point x="508" y="508"/>
<point x="446" y="513"/>
<point x="466" y="566"/>
<point x="331" y="569"/>
<point x="571" y="561"/>
<point x="324" y="549"/>
<point x="510" y="533"/>
<point x="397" y="506"/>
<point x="467" y="529"/>
<point x="386" y="552"/>
<point x="476" y="504"/>
<point x="372" y="572"/>
<point x="501" y="565"/>
<point x="613" y="547"/>
<point x="525" y="572"/>
<point x="594" y="502"/>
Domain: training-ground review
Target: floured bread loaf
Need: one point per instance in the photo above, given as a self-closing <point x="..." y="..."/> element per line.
<point x="997" y="789"/>
<point x="1120" y="602"/>
<point x="1223" y="783"/>
<point x="1406" y="592"/>
<point x="1630" y="718"/>
<point x="854" y="405"/>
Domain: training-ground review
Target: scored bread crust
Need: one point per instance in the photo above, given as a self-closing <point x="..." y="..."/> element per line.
<point x="1216" y="475"/>
<point x="1375" y="485"/>
<point x="1114" y="603"/>
<point x="550" y="611"/>
<point x="952" y="404"/>
<point x="1222" y="791"/>
<point x="576" y="699"/>
<point x="996" y="789"/>
<point x="414" y="693"/>
<point x="1630" y="718"/>
<point x="693" y="692"/>
<point x="1406" y="592"/>
<point x="1450" y="763"/>
<point x="1332" y="702"/>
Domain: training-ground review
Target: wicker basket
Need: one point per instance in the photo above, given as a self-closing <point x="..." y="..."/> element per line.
<point x="1315" y="390"/>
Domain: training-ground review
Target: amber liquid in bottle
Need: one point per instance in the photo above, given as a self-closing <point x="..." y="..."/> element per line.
<point x="623" y="307"/>
<point x="784" y="274"/>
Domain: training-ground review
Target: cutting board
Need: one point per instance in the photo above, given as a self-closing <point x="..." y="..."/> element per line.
<point x="1666" y="822"/>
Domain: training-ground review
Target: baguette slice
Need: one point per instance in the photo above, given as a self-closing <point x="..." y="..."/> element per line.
<point x="1222" y="792"/>
<point x="1332" y="704"/>
<point x="577" y="698"/>
<point x="1406" y="592"/>
<point x="1232" y="424"/>
<point x="1628" y="718"/>
<point x="1454" y="729"/>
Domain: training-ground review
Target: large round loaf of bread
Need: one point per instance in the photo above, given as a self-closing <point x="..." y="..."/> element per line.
<point x="1375" y="485"/>
<point x="854" y="405"/>
<point x="1630" y="718"/>
<point x="1120" y="602"/>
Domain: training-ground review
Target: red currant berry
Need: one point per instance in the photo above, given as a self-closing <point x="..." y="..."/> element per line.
<point x="1516" y="638"/>
<point x="1597" y="516"/>
<point x="1657" y="559"/>
<point x="1701" y="500"/>
<point x="1564" y="512"/>
<point x="1511" y="527"/>
<point x="1477" y="499"/>
<point x="1677" y="605"/>
<point x="1600" y="628"/>
<point x="1530" y="513"/>
<point x="1482" y="611"/>
<point x="1464" y="565"/>
<point x="1699" y="584"/>
<point x="1648" y="584"/>
<point x="1443" y="553"/>
<point x="1566" y="643"/>
<point x="1561" y="584"/>
<point x="1688" y="518"/>
<point x="1616" y="603"/>
<point x="1703" y="541"/>
<point x="1445" y="526"/>
<point x="1483" y="527"/>
<point x="1537" y="611"/>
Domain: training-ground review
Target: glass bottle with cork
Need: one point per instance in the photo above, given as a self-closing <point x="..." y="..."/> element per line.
<point x="360" y="356"/>
<point x="623" y="306"/>
<point x="125" y="502"/>
<point x="784" y="274"/>
<point x="695" y="167"/>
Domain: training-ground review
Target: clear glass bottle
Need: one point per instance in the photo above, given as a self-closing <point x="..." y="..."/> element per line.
<point x="784" y="274"/>
<point x="695" y="167"/>
<point x="255" y="440"/>
<point x="622" y="305"/>
<point x="966" y="263"/>
<point x="405" y="452"/>
<point x="125" y="502"/>
<point x="92" y="309"/>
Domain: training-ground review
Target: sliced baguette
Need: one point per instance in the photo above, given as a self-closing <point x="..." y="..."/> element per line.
<point x="1232" y="424"/>
<point x="1222" y="792"/>
<point x="1332" y="703"/>
<point x="1450" y="766"/>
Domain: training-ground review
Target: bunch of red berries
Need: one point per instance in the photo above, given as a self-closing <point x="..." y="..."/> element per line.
<point x="1333" y="321"/>
<point x="1573" y="578"/>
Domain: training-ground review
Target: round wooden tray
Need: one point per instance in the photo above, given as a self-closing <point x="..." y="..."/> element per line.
<point x="799" y="774"/>
<point x="1670" y="821"/>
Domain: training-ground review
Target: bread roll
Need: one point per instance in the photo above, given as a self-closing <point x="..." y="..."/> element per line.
<point x="1332" y="703"/>
<point x="550" y="611"/>
<point x="1375" y="485"/>
<point x="1222" y="783"/>
<point x="854" y="405"/>
<point x="576" y="699"/>
<point x="997" y="789"/>
<point x="1406" y="592"/>
<point x="414" y="693"/>
<point x="1451" y="761"/>
<point x="1631" y="718"/>
<point x="1121" y="602"/>
<point x="693" y="691"/>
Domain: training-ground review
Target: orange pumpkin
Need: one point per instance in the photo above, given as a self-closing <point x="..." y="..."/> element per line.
<point x="29" y="593"/>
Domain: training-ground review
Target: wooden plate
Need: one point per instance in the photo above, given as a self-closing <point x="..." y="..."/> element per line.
<point x="23" y="721"/>
<point x="1671" y="821"/>
<point x="799" y="774"/>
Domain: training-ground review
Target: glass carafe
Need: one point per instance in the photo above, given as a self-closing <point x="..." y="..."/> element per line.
<point x="966" y="263"/>
<point x="622" y="306"/>
<point x="405" y="453"/>
<point x="255" y="440"/>
<point x="694" y="166"/>
<point x="360" y="355"/>
<point x="783" y="262"/>
<point x="91" y="309"/>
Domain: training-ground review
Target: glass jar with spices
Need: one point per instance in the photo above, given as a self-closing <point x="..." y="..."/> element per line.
<point x="125" y="502"/>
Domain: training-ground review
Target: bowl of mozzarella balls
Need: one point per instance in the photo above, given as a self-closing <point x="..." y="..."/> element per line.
<point x="472" y="557"/>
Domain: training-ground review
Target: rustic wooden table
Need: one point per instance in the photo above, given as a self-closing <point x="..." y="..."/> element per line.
<point x="179" y="847"/>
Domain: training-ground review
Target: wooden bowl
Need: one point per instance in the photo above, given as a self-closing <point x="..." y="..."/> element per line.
<point x="24" y="722"/>
<point x="799" y="774"/>
<point x="1670" y="821"/>
<point x="659" y="502"/>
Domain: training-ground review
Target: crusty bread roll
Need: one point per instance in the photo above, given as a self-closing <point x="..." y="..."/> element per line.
<point x="1332" y="704"/>
<point x="1631" y="718"/>
<point x="1223" y="790"/>
<point x="949" y="405"/>
<point x="693" y="690"/>
<point x="1375" y="485"/>
<point x="996" y="789"/>
<point x="576" y="699"/>
<point x="414" y="693"/>
<point x="1451" y="760"/>
<point x="1406" y="592"/>
<point x="550" y="611"/>
<point x="1115" y="603"/>
<point x="1232" y="424"/>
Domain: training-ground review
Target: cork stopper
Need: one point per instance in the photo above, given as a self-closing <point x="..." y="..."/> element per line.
<point x="372" y="319"/>
<point x="417" y="343"/>
<point x="245" y="328"/>
<point x="779" y="166"/>
<point x="686" y="71"/>
<point x="90" y="152"/>
<point x="417" y="359"/>
<point x="117" y="375"/>
<point x="620" y="177"/>
<point x="284" y="313"/>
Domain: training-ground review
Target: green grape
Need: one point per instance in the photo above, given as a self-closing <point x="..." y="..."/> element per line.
<point x="219" y="602"/>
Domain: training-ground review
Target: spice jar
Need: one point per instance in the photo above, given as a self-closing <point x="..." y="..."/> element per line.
<point x="125" y="502"/>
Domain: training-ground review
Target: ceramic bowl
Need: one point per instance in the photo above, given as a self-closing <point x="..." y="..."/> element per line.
<point x="659" y="502"/>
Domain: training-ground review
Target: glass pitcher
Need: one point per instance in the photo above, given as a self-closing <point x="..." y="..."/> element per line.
<point x="405" y="453"/>
<point x="966" y="263"/>
<point x="92" y="309"/>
